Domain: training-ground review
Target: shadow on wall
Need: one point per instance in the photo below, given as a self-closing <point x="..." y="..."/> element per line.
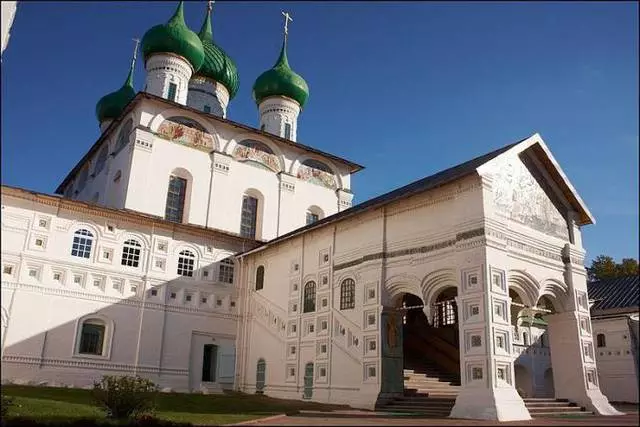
<point x="179" y="334"/>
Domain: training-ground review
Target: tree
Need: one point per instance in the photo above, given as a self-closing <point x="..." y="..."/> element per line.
<point x="604" y="267"/>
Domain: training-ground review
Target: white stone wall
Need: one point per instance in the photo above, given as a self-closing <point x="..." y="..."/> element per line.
<point x="206" y="92"/>
<point x="276" y="112"/>
<point x="164" y="69"/>
<point x="149" y="332"/>
<point x="616" y="366"/>
<point x="216" y="181"/>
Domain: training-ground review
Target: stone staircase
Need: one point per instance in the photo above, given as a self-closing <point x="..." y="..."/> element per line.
<point x="549" y="407"/>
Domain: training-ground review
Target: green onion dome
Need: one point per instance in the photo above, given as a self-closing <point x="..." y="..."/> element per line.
<point x="111" y="105"/>
<point x="217" y="64"/>
<point x="281" y="80"/>
<point x="174" y="37"/>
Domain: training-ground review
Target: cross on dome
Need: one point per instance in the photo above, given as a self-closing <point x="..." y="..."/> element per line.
<point x="287" y="18"/>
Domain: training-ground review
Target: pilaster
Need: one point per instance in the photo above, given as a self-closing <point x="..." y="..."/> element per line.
<point x="486" y="360"/>
<point x="345" y="198"/>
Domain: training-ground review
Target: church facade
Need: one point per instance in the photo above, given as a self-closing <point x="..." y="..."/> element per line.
<point x="208" y="255"/>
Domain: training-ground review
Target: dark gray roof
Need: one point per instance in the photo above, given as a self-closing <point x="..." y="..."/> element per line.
<point x="616" y="293"/>
<point x="433" y="181"/>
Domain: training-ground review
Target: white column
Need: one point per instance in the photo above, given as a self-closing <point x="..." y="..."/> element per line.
<point x="165" y="70"/>
<point x="486" y="360"/>
<point x="279" y="116"/>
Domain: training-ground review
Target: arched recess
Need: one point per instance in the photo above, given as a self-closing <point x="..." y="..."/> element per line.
<point x="396" y="286"/>
<point x="433" y="285"/>
<point x="526" y="286"/>
<point x="297" y="164"/>
<point x="259" y="153"/>
<point x="198" y="141"/>
<point x="233" y="143"/>
<point x="554" y="295"/>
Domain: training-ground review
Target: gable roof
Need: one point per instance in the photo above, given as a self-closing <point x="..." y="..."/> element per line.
<point x="353" y="167"/>
<point x="615" y="293"/>
<point x="535" y="148"/>
<point x="425" y="184"/>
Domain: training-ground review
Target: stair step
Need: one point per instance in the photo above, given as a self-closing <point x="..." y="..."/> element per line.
<point x="554" y="408"/>
<point x="543" y="399"/>
<point x="547" y="404"/>
<point x="559" y="414"/>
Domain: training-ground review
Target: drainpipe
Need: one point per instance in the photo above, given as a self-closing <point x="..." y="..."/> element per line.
<point x="144" y="299"/>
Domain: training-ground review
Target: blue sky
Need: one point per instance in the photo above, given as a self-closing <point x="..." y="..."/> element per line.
<point x="405" y="89"/>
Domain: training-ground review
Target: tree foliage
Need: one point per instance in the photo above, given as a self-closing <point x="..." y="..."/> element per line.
<point x="605" y="267"/>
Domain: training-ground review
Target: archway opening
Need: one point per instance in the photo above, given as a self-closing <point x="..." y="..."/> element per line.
<point x="430" y="344"/>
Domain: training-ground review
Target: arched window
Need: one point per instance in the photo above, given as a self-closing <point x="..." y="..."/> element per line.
<point x="347" y="294"/>
<point x="525" y="338"/>
<point x="261" y="369"/>
<point x="186" y="261"/>
<point x="309" y="297"/>
<point x="131" y="253"/>
<point x="82" y="242"/>
<point x="287" y="130"/>
<point x="101" y="159"/>
<point x="601" y="340"/>
<point x="314" y="214"/>
<point x="249" y="217"/>
<point x="92" y="337"/>
<point x="123" y="136"/>
<point x="225" y="271"/>
<point x="260" y="278"/>
<point x="176" y="193"/>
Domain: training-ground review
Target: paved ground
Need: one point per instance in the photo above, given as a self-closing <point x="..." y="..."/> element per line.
<point x="354" y="417"/>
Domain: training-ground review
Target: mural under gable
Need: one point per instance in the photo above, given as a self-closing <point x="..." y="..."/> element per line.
<point x="187" y="132"/>
<point x="317" y="173"/>
<point x="256" y="152"/>
<point x="518" y="196"/>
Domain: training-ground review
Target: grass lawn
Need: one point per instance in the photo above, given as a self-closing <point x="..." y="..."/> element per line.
<point x="50" y="403"/>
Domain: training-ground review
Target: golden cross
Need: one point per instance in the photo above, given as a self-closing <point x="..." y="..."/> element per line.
<point x="287" y="18"/>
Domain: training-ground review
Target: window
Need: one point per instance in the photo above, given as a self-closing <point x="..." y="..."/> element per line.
<point x="601" y="340"/>
<point x="171" y="93"/>
<point x="525" y="338"/>
<point x="207" y="108"/>
<point x="347" y="294"/>
<point x="186" y="260"/>
<point x="82" y="241"/>
<point x="287" y="130"/>
<point x="92" y="337"/>
<point x="260" y="278"/>
<point x="312" y="217"/>
<point x="309" y="297"/>
<point x="174" y="209"/>
<point x="131" y="253"/>
<point x="101" y="160"/>
<point x="225" y="274"/>
<point x="248" y="217"/>
<point x="7" y="269"/>
<point x="260" y="375"/>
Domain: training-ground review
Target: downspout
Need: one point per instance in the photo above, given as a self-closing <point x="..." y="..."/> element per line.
<point x="144" y="299"/>
<point x="279" y="203"/>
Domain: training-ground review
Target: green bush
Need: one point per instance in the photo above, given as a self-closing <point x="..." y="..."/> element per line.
<point x="6" y="403"/>
<point x="126" y="396"/>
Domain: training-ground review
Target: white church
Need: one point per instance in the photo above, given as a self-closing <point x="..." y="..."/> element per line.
<point x="209" y="255"/>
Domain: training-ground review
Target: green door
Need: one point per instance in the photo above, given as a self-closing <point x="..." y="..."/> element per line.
<point x="260" y="376"/>
<point x="308" y="381"/>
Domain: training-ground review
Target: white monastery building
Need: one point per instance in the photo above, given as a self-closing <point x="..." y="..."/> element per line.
<point x="208" y="255"/>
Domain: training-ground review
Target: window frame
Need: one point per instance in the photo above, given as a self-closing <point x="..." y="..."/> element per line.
<point x="309" y="296"/>
<point x="288" y="130"/>
<point x="82" y="238"/>
<point x="601" y="340"/>
<point x="94" y="319"/>
<point x="131" y="253"/>
<point x="348" y="294"/>
<point x="177" y="199"/>
<point x="226" y="271"/>
<point x="248" y="217"/>
<point x="173" y="87"/>
<point x="186" y="263"/>
<point x="259" y="278"/>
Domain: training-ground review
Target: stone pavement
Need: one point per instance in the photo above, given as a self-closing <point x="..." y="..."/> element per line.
<point x="355" y="417"/>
